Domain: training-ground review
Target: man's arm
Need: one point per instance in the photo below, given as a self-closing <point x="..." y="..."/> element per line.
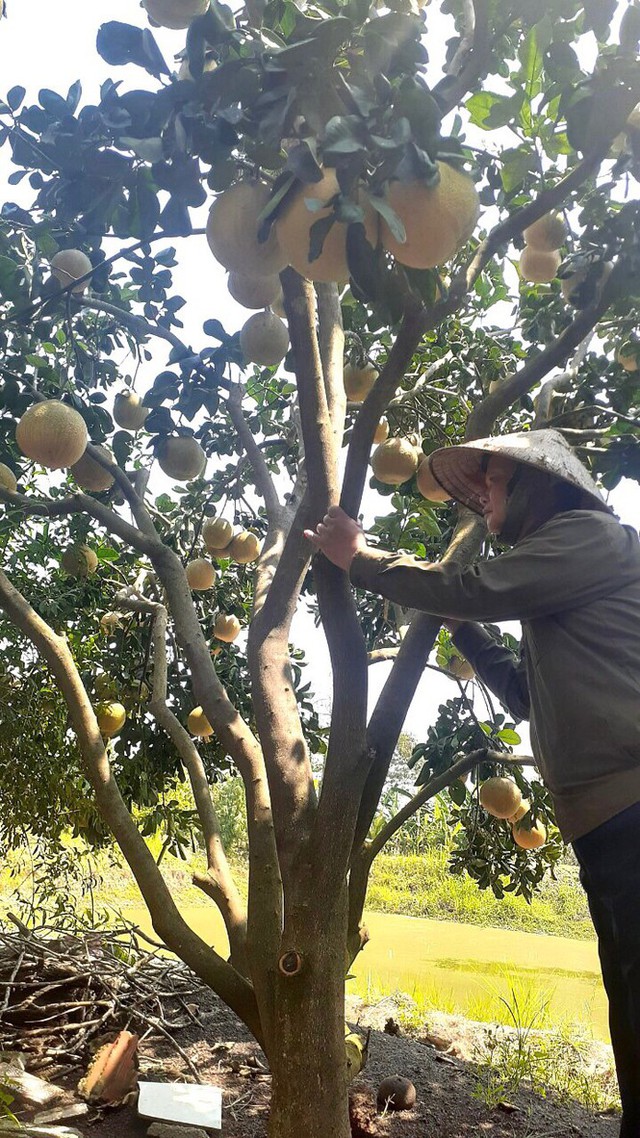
<point x="574" y="559"/>
<point x="503" y="672"/>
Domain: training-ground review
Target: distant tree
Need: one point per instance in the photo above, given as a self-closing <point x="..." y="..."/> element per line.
<point x="343" y="105"/>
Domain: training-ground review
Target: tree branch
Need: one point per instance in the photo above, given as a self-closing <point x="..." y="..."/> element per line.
<point x="486" y="412"/>
<point x="80" y="504"/>
<point x="263" y="479"/>
<point x="167" y="922"/>
<point x="395" y="698"/>
<point x="217" y="882"/>
<point x="331" y="337"/>
<point x="471" y="58"/>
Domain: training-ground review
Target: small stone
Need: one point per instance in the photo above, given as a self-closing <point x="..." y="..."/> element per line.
<point x="28" y="1088"/>
<point x="175" y="1130"/>
<point x="69" y="1110"/>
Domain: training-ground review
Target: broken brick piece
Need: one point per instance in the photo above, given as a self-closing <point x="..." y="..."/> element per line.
<point x="113" y="1073"/>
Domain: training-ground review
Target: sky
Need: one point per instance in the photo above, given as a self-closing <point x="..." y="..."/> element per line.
<point x="51" y="43"/>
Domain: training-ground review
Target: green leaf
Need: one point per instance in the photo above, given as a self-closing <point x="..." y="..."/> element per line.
<point x="381" y="206"/>
<point x="508" y="736"/>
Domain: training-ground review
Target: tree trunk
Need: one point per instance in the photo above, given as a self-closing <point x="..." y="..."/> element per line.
<point x="308" y="1056"/>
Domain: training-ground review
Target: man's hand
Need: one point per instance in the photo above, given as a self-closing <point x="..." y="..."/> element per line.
<point x="338" y="537"/>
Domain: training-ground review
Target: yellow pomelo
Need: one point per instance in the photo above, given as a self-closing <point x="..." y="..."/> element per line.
<point x="547" y="233"/>
<point x="198" y="724"/>
<point x="8" y="479"/>
<point x="628" y="356"/>
<point x="79" y="561"/>
<point x="69" y="265"/>
<point x="90" y="475"/>
<point x="175" y="14"/>
<point x="500" y="796"/>
<point x="264" y="340"/>
<point x="277" y="306"/>
<point x="529" y="839"/>
<point x="581" y="297"/>
<point x="460" y="668"/>
<point x="437" y="220"/>
<point x="181" y="457"/>
<point x="394" y="461"/>
<point x="216" y="534"/>
<point x="111" y="718"/>
<point x="523" y="808"/>
<point x="185" y="70"/>
<point x="128" y="411"/>
<point x="358" y="382"/>
<point x="109" y="621"/>
<point x="244" y="548"/>
<point x="52" y="434"/>
<point x="634" y="118"/>
<point x="232" y="231"/>
<point x="537" y="266"/>
<point x="294" y="225"/>
<point x="254" y="292"/>
<point x="381" y="433"/>
<point x="201" y="574"/>
<point x="226" y="627"/>
<point x="428" y="484"/>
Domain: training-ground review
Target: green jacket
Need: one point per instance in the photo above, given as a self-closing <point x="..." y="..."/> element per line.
<point x="575" y="585"/>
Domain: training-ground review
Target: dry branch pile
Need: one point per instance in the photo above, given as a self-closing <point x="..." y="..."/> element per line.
<point x="62" y="993"/>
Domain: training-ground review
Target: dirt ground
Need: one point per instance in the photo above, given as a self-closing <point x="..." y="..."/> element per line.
<point x="440" y="1066"/>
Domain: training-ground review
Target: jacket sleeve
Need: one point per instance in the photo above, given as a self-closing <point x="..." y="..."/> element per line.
<point x="504" y="673"/>
<point x="574" y="559"/>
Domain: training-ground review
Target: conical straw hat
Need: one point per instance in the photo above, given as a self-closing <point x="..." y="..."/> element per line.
<point x="459" y="469"/>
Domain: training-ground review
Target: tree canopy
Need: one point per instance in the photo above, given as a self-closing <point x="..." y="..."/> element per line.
<point x="411" y="150"/>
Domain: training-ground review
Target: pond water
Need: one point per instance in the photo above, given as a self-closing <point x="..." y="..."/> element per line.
<point x="463" y="968"/>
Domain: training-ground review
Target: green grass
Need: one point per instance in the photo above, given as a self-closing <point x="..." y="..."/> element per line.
<point x="423" y="887"/>
<point x="418" y="886"/>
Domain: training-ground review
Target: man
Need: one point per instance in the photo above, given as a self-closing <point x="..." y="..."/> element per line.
<point x="572" y="577"/>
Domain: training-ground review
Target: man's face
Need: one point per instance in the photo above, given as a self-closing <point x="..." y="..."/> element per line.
<point x="494" y="496"/>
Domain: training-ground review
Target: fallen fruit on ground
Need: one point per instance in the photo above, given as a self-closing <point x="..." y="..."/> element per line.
<point x="396" y="1093"/>
<point x="52" y="434"/>
<point x="90" y="475"/>
<point x="428" y="484"/>
<point x="181" y="457"/>
<point x="216" y="534"/>
<point x="293" y="228"/>
<point x="394" y="461"/>
<point x="254" y="292"/>
<point x="111" y="718"/>
<point x="128" y="411"/>
<point x="175" y="14"/>
<point x="69" y="265"/>
<point x="358" y="382"/>
<point x="537" y="266"/>
<point x="8" y="479"/>
<point x="201" y="574"/>
<point x="232" y="231"/>
<point x="500" y="796"/>
<point x="244" y="548"/>
<point x="226" y="627"/>
<point x="437" y="220"/>
<point x="198" y="724"/>
<point x="547" y="233"/>
<point x="264" y="340"/>
<point x="529" y="837"/>
<point x="79" y="561"/>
